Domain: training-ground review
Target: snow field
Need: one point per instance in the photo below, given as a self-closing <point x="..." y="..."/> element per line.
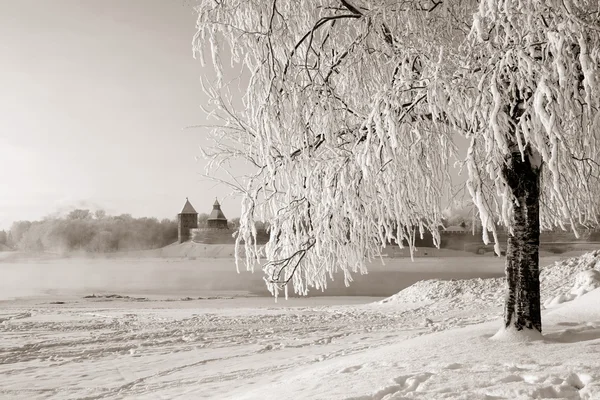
<point x="463" y="363"/>
<point x="430" y="341"/>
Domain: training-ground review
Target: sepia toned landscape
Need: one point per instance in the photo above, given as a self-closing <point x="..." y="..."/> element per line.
<point x="300" y="199"/>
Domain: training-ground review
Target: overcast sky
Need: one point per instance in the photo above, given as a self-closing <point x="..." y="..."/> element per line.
<point x="94" y="98"/>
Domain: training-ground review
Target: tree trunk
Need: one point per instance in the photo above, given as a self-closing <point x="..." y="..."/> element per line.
<point x="522" y="307"/>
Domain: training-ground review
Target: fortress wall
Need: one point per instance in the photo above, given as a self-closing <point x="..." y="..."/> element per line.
<point x="222" y="236"/>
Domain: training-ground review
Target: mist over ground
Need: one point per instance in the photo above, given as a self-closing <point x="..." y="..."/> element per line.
<point x="158" y="276"/>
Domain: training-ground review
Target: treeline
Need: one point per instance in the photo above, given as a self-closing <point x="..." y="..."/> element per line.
<point x="82" y="230"/>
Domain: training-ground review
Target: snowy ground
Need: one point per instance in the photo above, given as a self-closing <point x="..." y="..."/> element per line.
<point x="430" y="341"/>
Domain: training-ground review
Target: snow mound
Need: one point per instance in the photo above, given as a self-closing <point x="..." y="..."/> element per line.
<point x="562" y="281"/>
<point x="589" y="278"/>
<point x="513" y="335"/>
<point x="585" y="281"/>
<point x="435" y="290"/>
<point x="563" y="274"/>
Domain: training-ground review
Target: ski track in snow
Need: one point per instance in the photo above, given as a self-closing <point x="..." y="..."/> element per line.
<point x="44" y="345"/>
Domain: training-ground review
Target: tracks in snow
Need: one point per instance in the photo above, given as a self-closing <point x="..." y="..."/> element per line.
<point x="113" y="353"/>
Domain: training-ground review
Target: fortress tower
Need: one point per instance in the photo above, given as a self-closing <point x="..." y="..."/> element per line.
<point x="216" y="219"/>
<point x="187" y="219"/>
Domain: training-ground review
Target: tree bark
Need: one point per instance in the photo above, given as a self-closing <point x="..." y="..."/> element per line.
<point x="522" y="307"/>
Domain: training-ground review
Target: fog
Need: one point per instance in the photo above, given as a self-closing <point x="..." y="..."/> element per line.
<point x="212" y="277"/>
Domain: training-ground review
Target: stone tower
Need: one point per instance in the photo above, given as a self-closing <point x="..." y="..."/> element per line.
<point x="216" y="219"/>
<point x="186" y="220"/>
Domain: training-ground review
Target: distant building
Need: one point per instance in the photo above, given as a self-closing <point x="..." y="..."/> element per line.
<point x="216" y="219"/>
<point x="186" y="220"/>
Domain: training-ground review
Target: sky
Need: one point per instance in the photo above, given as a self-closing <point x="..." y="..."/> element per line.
<point x="95" y="100"/>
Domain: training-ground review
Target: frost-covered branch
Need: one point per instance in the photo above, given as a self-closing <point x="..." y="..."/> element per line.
<point x="288" y="266"/>
<point x="351" y="109"/>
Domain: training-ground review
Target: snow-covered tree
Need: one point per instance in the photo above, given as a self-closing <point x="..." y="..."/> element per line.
<point x="350" y="113"/>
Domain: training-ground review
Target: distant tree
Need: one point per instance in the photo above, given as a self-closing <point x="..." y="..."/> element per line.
<point x="169" y="231"/>
<point x="102" y="242"/>
<point x="37" y="245"/>
<point x="31" y="240"/>
<point x="233" y="223"/>
<point x="350" y="115"/>
<point x="80" y="214"/>
<point x="99" y="214"/>
<point x="55" y="235"/>
<point x="18" y="230"/>
<point x="202" y="220"/>
<point x="3" y="237"/>
<point x="79" y="231"/>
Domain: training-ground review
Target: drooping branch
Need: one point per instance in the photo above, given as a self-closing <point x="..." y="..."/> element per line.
<point x="309" y="34"/>
<point x="289" y="264"/>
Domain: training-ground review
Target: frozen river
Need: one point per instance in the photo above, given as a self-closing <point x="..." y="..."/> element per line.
<point x="180" y="278"/>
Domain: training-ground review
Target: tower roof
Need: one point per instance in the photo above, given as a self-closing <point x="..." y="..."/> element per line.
<point x="216" y="212"/>
<point x="188" y="208"/>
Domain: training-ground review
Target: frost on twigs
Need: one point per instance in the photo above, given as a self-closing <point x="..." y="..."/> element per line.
<point x="350" y="110"/>
<point x="534" y="60"/>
